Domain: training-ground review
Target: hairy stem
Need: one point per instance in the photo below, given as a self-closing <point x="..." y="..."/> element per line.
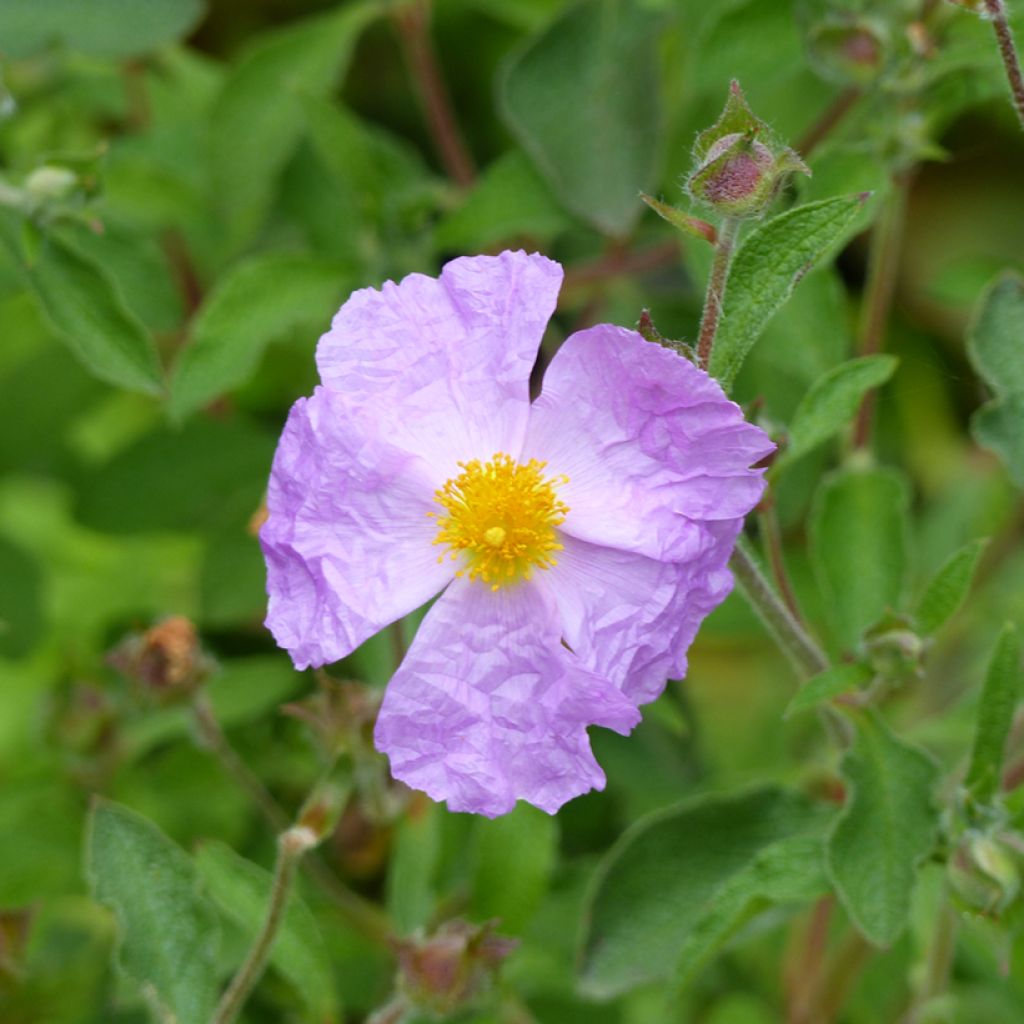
<point x="883" y="266"/>
<point x="291" y="845"/>
<point x="807" y="657"/>
<point x="769" y="523"/>
<point x="413" y="23"/>
<point x="1008" y="51"/>
<point x="715" y="295"/>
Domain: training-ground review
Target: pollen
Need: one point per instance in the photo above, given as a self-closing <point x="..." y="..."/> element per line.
<point x="500" y="517"/>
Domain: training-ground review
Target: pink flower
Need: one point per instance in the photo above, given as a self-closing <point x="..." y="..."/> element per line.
<point x="576" y="542"/>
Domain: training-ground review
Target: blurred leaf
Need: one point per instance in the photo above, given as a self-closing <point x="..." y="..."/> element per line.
<point x="208" y="475"/>
<point x="995" y="340"/>
<point x="241" y="890"/>
<point x="515" y="857"/>
<point x="948" y="588"/>
<point x="766" y="268"/>
<point x="84" y="306"/>
<point x="996" y="709"/>
<point x="169" y="934"/>
<point x="509" y="201"/>
<point x="887" y="827"/>
<point x="21" y="601"/>
<point x="832" y="401"/>
<point x="999" y="427"/>
<point x="789" y="871"/>
<point x="257" y="119"/>
<point x="665" y="874"/>
<point x="831" y="683"/>
<point x="103" y="28"/>
<point x="583" y="101"/>
<point x="859" y="547"/>
<point x="411" y="890"/>
<point x="253" y="304"/>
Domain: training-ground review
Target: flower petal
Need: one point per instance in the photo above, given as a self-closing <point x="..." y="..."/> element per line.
<point x="630" y="618"/>
<point x="441" y="366"/>
<point x="489" y="707"/>
<point x="348" y="543"/>
<point x="650" y="444"/>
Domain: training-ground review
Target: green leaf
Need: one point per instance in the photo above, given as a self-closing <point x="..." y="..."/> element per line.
<point x="257" y="118"/>
<point x="169" y="934"/>
<point x="85" y="308"/>
<point x="583" y="101"/>
<point x="832" y="401"/>
<point x="859" y="547"/>
<point x="765" y="270"/>
<point x="995" y="339"/>
<point x="996" y="709"/>
<point x="831" y="683"/>
<point x="252" y="305"/>
<point x="21" y="601"/>
<point x="787" y="872"/>
<point x="515" y="857"/>
<point x="411" y="889"/>
<point x="947" y="590"/>
<point x="103" y="28"/>
<point x="663" y="877"/>
<point x="887" y="827"/>
<point x="999" y="427"/>
<point x="241" y="890"/>
<point x="510" y="200"/>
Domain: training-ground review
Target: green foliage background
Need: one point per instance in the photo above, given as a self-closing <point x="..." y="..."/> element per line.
<point x="187" y="192"/>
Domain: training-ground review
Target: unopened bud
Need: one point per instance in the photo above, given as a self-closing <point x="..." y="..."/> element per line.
<point x="740" y="163"/>
<point x="166" y="660"/>
<point x="849" y="50"/>
<point x="895" y="651"/>
<point x="984" y="871"/>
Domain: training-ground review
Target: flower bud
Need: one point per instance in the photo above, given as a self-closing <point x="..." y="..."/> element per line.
<point x="740" y="164"/>
<point x="894" y="650"/>
<point x="984" y="870"/>
<point x="850" y="50"/>
<point x="166" y="660"/>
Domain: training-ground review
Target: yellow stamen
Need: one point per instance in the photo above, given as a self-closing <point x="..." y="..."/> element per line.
<point x="502" y="514"/>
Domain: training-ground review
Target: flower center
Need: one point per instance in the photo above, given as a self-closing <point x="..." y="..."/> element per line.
<point x="503" y="515"/>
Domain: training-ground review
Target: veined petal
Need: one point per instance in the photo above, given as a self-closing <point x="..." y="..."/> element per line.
<point x="630" y="618"/>
<point x="651" y="445"/>
<point x="441" y="366"/>
<point x="348" y="542"/>
<point x="489" y="707"/>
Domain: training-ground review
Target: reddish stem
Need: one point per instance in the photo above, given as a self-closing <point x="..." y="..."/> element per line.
<point x="829" y="120"/>
<point x="1008" y="51"/>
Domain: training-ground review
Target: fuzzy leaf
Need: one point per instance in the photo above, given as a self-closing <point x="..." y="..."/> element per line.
<point x="995" y="339"/>
<point x="886" y="829"/>
<point x="999" y="427"/>
<point x="859" y="547"/>
<point x="831" y="683"/>
<point x="996" y="709"/>
<point x="766" y="269"/>
<point x="832" y="400"/>
<point x="169" y="933"/>
<point x="947" y="590"/>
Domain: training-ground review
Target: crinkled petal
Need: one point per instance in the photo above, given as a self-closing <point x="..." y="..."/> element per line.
<point x="630" y="618"/>
<point x="348" y="542"/>
<point x="441" y="366"/>
<point x="489" y="707"/>
<point x="650" y="444"/>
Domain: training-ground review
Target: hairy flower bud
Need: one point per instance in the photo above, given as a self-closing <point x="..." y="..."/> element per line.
<point x="739" y="162"/>
<point x="984" y="870"/>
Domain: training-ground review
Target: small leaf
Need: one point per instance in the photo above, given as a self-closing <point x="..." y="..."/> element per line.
<point x="169" y="934"/>
<point x="583" y="101"/>
<point x="859" y="547"/>
<point x="252" y="305"/>
<point x="996" y="709"/>
<point x="947" y="590"/>
<point x="886" y="829"/>
<point x="693" y="226"/>
<point x="995" y="339"/>
<point x="664" y="876"/>
<point x="515" y="857"/>
<point x="832" y="400"/>
<point x="766" y="269"/>
<point x="790" y="871"/>
<point x="831" y="683"/>
<point x="416" y="849"/>
<point x="241" y="890"/>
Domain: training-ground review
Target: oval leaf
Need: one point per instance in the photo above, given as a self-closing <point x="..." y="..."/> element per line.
<point x="169" y="934"/>
<point x="766" y="269"/>
<point x="995" y="339"/>
<point x="947" y="589"/>
<point x="886" y="829"/>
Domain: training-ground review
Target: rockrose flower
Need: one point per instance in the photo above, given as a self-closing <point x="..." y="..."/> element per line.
<point x="576" y="542"/>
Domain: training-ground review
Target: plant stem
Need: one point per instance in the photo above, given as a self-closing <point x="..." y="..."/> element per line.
<point x="1008" y="51"/>
<point x="938" y="965"/>
<point x="883" y="266"/>
<point x="715" y="295"/>
<point x="413" y="23"/>
<point x="806" y="656"/>
<point x="769" y="523"/>
<point x="291" y="845"/>
<point x="824" y="126"/>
